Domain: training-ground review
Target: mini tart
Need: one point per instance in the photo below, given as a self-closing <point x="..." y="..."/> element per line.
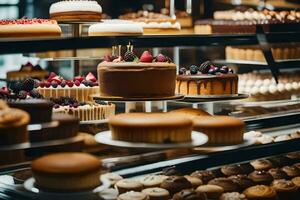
<point x="133" y="195"/>
<point x="194" y="85"/>
<point x="126" y="185"/>
<point x="75" y="11"/>
<point x="67" y="172"/>
<point x="151" y="128"/>
<point x="190" y="194"/>
<point x="211" y="191"/>
<point x="220" y="130"/>
<point x="157" y="193"/>
<point x="262" y="192"/>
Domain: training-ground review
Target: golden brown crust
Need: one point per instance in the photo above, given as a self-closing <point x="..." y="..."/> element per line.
<point x="12" y="117"/>
<point x="191" y="112"/>
<point x="260" y="192"/>
<point x="218" y="122"/>
<point x="76" y="16"/>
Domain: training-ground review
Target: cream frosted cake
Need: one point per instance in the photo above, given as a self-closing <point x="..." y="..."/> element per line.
<point x="76" y="10"/>
<point x="115" y="27"/>
<point x="29" y="28"/>
<point x="83" y="110"/>
<point x="80" y="88"/>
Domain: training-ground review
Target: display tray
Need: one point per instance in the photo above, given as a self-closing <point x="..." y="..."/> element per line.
<point x="135" y="99"/>
<point x="205" y="98"/>
<point x="105" y="137"/>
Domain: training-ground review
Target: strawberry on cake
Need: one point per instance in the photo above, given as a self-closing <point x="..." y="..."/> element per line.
<point x="80" y="88"/>
<point x="29" y="28"/>
<point x="76" y="10"/>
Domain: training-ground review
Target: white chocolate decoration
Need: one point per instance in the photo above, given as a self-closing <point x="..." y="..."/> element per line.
<point x="75" y="5"/>
<point x="115" y="26"/>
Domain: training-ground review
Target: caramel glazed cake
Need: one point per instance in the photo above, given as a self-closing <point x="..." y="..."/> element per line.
<point x="76" y="10"/>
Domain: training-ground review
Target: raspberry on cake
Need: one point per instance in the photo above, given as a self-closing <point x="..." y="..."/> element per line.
<point x="82" y="110"/>
<point x="76" y="10"/>
<point x="80" y="88"/>
<point x="208" y="79"/>
<point x="29" y="28"/>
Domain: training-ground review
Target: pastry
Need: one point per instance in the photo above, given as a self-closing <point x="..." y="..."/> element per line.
<point x="133" y="195"/>
<point x="233" y="196"/>
<point x="260" y="192"/>
<point x="175" y="184"/>
<point x="151" y="181"/>
<point x="285" y="189"/>
<point x="150" y="127"/>
<point x="113" y="178"/>
<point x="208" y="79"/>
<point x="29" y="28"/>
<point x="155" y="77"/>
<point x="261" y="164"/>
<point x="157" y="193"/>
<point x="230" y="170"/>
<point x="261" y="177"/>
<point x="196" y="182"/>
<point x="109" y="194"/>
<point x="281" y="138"/>
<point x="293" y="156"/>
<point x="227" y="184"/>
<point x="189" y="194"/>
<point x="85" y="111"/>
<point x="278" y="173"/>
<point x="60" y="172"/>
<point x="247" y="168"/>
<point x="27" y="70"/>
<point x="75" y="10"/>
<point x="242" y="180"/>
<point x="291" y="171"/>
<point x="296" y="181"/>
<point x="204" y="175"/>
<point x="126" y="185"/>
<point x="80" y="88"/>
<point x="115" y="28"/>
<point x="280" y="161"/>
<point x="221" y="130"/>
<point x="211" y="191"/>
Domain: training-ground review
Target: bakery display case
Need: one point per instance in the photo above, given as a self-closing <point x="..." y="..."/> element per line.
<point x="228" y="128"/>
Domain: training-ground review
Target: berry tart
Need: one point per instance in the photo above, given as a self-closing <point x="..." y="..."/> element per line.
<point x="76" y="10"/>
<point x="29" y="28"/>
<point x="27" y="71"/>
<point x="80" y="88"/>
<point x="84" y="111"/>
<point x="134" y="77"/>
<point x="207" y="79"/>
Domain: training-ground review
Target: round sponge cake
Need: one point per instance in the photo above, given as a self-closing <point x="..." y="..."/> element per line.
<point x="67" y="172"/>
<point x="151" y="127"/>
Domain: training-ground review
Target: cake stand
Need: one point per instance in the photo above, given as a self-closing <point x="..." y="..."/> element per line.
<point x="212" y="98"/>
<point x="105" y="137"/>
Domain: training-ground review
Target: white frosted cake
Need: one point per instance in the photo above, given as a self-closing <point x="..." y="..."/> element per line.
<point x="76" y="10"/>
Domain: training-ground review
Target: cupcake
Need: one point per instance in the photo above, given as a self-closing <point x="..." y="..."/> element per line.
<point x="243" y="181"/>
<point x="261" y="177"/>
<point x="175" y="184"/>
<point x="291" y="171"/>
<point x="157" y="193"/>
<point x="189" y="194"/>
<point x="233" y="196"/>
<point x="227" y="184"/>
<point x="278" y="173"/>
<point x="113" y="178"/>
<point x="194" y="181"/>
<point x="153" y="180"/>
<point x="230" y="170"/>
<point x="261" y="164"/>
<point x="133" y="195"/>
<point x="204" y="175"/>
<point x="126" y="185"/>
<point x="211" y="191"/>
<point x="286" y="190"/>
<point x="260" y="192"/>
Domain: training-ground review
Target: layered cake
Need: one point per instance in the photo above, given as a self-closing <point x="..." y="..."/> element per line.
<point x="230" y="22"/>
<point x="145" y="77"/>
<point x="220" y="130"/>
<point x="154" y="23"/>
<point x="76" y="10"/>
<point x="27" y="71"/>
<point x="80" y="88"/>
<point x="208" y="79"/>
<point x="83" y="110"/>
<point x="67" y="172"/>
<point x="115" y="28"/>
<point x="151" y="127"/>
<point x="29" y="28"/>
